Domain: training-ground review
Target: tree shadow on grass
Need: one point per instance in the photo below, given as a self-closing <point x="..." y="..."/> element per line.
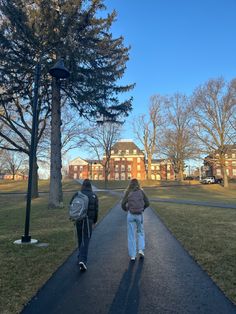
<point x="127" y="297"/>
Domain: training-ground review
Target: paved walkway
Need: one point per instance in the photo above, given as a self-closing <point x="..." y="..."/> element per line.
<point x="167" y="281"/>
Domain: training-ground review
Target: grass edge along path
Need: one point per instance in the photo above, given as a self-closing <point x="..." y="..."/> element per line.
<point x="209" y="235"/>
<point x="22" y="263"/>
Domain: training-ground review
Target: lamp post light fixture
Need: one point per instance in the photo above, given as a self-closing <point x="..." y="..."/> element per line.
<point x="58" y="71"/>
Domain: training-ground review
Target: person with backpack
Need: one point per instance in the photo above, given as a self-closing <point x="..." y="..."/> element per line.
<point x="134" y="203"/>
<point x="85" y="223"/>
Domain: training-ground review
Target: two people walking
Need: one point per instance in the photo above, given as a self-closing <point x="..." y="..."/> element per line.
<point x="134" y="203"/>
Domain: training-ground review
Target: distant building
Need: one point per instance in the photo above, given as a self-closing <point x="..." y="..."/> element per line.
<point x="127" y="161"/>
<point x="212" y="166"/>
<point x="16" y="177"/>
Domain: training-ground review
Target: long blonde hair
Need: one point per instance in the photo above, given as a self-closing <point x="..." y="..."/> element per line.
<point x="133" y="185"/>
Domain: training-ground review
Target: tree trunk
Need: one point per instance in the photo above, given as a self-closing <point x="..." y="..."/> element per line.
<point x="55" y="192"/>
<point x="225" y="177"/>
<point x="149" y="172"/>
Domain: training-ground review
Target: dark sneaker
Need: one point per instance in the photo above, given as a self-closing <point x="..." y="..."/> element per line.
<point x="82" y="266"/>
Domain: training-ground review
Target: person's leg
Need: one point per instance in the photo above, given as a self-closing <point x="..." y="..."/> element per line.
<point x="140" y="233"/>
<point x="86" y="232"/>
<point x="131" y="226"/>
<point x="79" y="235"/>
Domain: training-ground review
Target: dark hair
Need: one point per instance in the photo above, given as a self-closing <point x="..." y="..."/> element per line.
<point x="86" y="185"/>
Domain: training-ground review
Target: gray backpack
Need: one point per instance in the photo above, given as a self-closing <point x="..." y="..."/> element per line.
<point x="79" y="207"/>
<point x="136" y="202"/>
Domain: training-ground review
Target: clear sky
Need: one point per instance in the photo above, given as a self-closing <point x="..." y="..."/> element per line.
<point x="176" y="45"/>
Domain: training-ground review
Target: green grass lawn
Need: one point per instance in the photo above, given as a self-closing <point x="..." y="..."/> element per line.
<point x="209" y="235"/>
<point x="21" y="263"/>
<point x="210" y="193"/>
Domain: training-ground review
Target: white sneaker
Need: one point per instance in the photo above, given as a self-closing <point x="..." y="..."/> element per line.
<point x="132" y="259"/>
<point x="141" y="253"/>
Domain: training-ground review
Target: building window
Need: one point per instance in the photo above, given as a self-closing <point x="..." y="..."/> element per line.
<point x="127" y="152"/>
<point x="138" y="159"/>
<point x="218" y="172"/>
<point x="122" y="167"/>
<point x="152" y="168"/>
<point x="117" y="176"/>
<point x="122" y="177"/>
<point x="117" y="159"/>
<point x="116" y="168"/>
<point x="75" y="175"/>
<point x="233" y="155"/>
<point x="81" y="168"/>
<point x="227" y="172"/>
<point x="138" y="167"/>
<point x="168" y="167"/>
<point x="138" y="175"/>
<point x="129" y="168"/>
<point x="129" y="176"/>
<point x="134" y="151"/>
<point x="226" y="163"/>
<point x="158" y="167"/>
<point x="119" y="152"/>
<point x="234" y="172"/>
<point x="112" y="152"/>
<point x="233" y="163"/>
<point x="226" y="155"/>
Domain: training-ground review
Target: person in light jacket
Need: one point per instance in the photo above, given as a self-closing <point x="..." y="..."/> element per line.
<point x="135" y="217"/>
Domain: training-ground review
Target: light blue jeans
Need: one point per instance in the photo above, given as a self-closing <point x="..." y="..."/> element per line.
<point x="135" y="229"/>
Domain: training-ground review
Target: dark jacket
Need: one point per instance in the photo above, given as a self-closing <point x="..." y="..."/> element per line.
<point x="124" y="203"/>
<point x="92" y="205"/>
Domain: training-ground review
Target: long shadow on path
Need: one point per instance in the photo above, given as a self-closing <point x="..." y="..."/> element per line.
<point x="127" y="296"/>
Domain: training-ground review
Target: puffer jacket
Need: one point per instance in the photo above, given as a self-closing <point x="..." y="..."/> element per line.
<point x="92" y="205"/>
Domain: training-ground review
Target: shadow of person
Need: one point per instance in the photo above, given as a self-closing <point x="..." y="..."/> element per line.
<point x="127" y="297"/>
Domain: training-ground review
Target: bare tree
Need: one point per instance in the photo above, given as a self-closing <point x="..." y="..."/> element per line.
<point x="13" y="163"/>
<point x="214" y="106"/>
<point x="16" y="128"/>
<point x="100" y="140"/>
<point x="175" y="140"/>
<point x="146" y="127"/>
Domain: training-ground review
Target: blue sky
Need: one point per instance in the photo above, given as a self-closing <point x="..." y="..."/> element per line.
<point x="176" y="45"/>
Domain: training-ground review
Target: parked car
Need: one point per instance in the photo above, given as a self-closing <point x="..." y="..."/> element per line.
<point x="208" y="180"/>
<point x="211" y="180"/>
<point x="218" y="180"/>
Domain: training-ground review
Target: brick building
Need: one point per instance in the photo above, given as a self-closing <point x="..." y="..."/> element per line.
<point x="127" y="161"/>
<point x="212" y="166"/>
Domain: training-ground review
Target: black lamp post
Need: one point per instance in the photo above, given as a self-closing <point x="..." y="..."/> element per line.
<point x="26" y="238"/>
<point x="58" y="71"/>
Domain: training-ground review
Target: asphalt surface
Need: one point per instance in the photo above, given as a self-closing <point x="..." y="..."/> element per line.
<point x="167" y="281"/>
